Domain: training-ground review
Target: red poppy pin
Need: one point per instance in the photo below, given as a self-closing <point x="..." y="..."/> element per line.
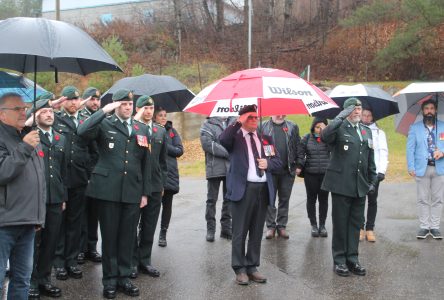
<point x="136" y="127"/>
<point x="265" y="142"/>
<point x="154" y="129"/>
<point x="41" y="153"/>
<point x="285" y="129"/>
<point x="81" y="122"/>
<point x="363" y="132"/>
<point x="57" y="137"/>
<point x="318" y="139"/>
<point x="171" y="134"/>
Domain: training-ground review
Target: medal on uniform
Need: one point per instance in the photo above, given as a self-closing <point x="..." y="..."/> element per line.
<point x="345" y="147"/>
<point x="142" y="141"/>
<point x="269" y="150"/>
<point x="111" y="145"/>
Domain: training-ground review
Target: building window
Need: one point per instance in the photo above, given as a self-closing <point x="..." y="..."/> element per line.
<point x="106" y="19"/>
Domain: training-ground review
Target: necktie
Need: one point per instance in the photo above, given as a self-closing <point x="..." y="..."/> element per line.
<point x="357" y="131"/>
<point x="149" y="130"/>
<point x="74" y="120"/>
<point x="125" y="124"/>
<point x="259" y="172"/>
<point x="48" y="136"/>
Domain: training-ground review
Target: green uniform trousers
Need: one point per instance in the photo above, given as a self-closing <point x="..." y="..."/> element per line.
<point x="347" y="216"/>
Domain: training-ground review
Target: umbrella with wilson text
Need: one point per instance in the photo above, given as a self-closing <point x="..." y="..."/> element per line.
<point x="274" y="91"/>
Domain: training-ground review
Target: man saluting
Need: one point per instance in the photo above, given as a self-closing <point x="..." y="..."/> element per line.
<point x="250" y="189"/>
<point x="120" y="183"/>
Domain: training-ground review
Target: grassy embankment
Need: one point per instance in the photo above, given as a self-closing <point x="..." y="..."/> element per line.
<point x="193" y="162"/>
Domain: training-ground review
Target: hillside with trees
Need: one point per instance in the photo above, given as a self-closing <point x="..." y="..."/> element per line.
<point x="342" y="40"/>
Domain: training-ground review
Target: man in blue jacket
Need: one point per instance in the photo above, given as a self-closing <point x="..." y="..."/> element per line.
<point x="425" y="146"/>
<point x="250" y="190"/>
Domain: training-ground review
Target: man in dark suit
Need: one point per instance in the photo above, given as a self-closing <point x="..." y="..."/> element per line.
<point x="350" y="176"/>
<point x="150" y="213"/>
<point x="78" y="159"/>
<point x="90" y="222"/>
<point x="250" y="190"/>
<point x="53" y="147"/>
<point x="120" y="183"/>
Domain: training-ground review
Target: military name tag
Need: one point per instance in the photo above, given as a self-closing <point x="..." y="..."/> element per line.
<point x="345" y="147"/>
<point x="142" y="141"/>
<point x="269" y="150"/>
<point x="111" y="145"/>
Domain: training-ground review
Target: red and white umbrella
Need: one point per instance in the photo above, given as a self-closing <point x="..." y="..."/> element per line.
<point x="274" y="91"/>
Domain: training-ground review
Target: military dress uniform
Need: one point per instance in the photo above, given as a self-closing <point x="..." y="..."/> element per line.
<point x="90" y="222"/>
<point x="78" y="160"/>
<point x="53" y="147"/>
<point x="349" y="177"/>
<point x="119" y="179"/>
<point x="150" y="214"/>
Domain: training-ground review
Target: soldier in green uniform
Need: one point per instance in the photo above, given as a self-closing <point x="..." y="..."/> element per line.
<point x="78" y="159"/>
<point x="90" y="222"/>
<point x="53" y="147"/>
<point x="120" y="183"/>
<point x="350" y="176"/>
<point x="150" y="213"/>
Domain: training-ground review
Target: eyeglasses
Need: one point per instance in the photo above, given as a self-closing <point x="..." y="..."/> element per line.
<point x="16" y="109"/>
<point x="252" y="118"/>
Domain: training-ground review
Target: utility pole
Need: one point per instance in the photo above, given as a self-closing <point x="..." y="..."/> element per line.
<point x="58" y="10"/>
<point x="250" y="10"/>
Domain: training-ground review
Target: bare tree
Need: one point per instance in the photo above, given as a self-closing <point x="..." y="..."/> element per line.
<point x="220" y="18"/>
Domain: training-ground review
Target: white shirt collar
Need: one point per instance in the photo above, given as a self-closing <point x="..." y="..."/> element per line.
<point x="245" y="133"/>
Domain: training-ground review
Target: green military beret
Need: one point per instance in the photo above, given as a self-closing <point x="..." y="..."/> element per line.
<point x="144" y="100"/>
<point x="91" y="92"/>
<point x="70" y="92"/>
<point x="123" y="95"/>
<point x="352" y="101"/>
<point x="46" y="96"/>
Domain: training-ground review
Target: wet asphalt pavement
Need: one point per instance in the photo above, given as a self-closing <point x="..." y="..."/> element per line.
<point x="398" y="265"/>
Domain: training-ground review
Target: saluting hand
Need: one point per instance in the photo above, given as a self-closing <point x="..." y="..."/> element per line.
<point x="143" y="201"/>
<point x="32" y="138"/>
<point x="243" y="118"/>
<point x="56" y="104"/>
<point x="82" y="103"/>
<point x="139" y="114"/>
<point x="30" y="120"/>
<point x="346" y="112"/>
<point x="111" y="106"/>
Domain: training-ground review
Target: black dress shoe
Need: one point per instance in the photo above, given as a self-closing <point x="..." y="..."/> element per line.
<point x="226" y="235"/>
<point x="33" y="293"/>
<point x="93" y="256"/>
<point x="61" y="273"/>
<point x="356" y="268"/>
<point x="50" y="290"/>
<point x="74" y="272"/>
<point x="129" y="289"/>
<point x="150" y="270"/>
<point x="81" y="258"/>
<point x="341" y="270"/>
<point x="210" y="236"/>
<point x="133" y="274"/>
<point x="109" y="292"/>
<point x="314" y="231"/>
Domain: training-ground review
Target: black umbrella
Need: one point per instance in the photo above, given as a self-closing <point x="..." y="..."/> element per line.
<point x="166" y="91"/>
<point x="379" y="101"/>
<point x="39" y="45"/>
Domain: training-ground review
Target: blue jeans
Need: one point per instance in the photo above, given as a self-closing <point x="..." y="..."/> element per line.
<point x="17" y="245"/>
